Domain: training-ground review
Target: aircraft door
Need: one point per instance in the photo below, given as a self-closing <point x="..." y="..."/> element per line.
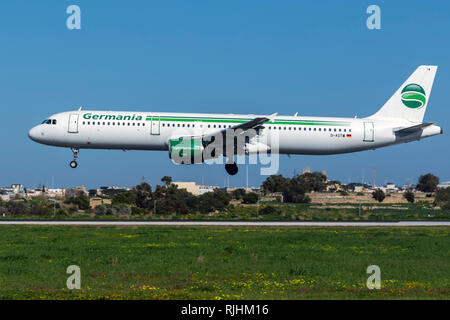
<point x="73" y="123"/>
<point x="154" y="130"/>
<point x="368" y="132"/>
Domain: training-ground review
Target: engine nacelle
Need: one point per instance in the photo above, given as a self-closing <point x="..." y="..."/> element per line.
<point x="186" y="150"/>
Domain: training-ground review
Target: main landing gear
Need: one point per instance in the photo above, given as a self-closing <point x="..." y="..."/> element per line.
<point x="231" y="168"/>
<point x="74" y="164"/>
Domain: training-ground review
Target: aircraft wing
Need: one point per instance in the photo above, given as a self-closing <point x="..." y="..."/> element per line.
<point x="255" y="123"/>
<point x="242" y="130"/>
<point x="412" y="129"/>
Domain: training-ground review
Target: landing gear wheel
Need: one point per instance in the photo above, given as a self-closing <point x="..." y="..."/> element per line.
<point x="231" y="168"/>
<point x="74" y="164"/>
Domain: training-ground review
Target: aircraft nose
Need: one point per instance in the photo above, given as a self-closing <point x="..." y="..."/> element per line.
<point x="33" y="134"/>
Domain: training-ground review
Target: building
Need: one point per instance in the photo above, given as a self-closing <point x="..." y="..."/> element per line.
<point x="390" y="187"/>
<point x="4" y="195"/>
<point x="194" y="188"/>
<point x="75" y="192"/>
<point x="444" y="185"/>
<point x="94" y="202"/>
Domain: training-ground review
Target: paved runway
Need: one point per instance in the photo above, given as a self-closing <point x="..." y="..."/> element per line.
<point x="229" y="223"/>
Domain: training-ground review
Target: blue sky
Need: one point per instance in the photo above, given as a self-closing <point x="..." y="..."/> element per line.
<point x="254" y="56"/>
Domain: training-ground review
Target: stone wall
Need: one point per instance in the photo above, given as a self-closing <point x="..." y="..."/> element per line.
<point x="324" y="197"/>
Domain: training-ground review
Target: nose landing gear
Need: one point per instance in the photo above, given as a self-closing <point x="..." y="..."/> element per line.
<point x="74" y="164"/>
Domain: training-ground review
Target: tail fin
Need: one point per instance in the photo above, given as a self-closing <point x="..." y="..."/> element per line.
<point x="410" y="101"/>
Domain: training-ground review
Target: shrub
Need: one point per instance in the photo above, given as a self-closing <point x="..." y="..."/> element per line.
<point x="378" y="195"/>
<point x="250" y="198"/>
<point x="442" y="198"/>
<point x="266" y="210"/>
<point x="409" y="196"/>
<point x="81" y="201"/>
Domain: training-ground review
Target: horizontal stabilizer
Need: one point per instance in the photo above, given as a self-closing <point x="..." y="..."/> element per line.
<point x="412" y="129"/>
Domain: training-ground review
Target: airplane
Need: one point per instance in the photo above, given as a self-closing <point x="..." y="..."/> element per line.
<point x="400" y="120"/>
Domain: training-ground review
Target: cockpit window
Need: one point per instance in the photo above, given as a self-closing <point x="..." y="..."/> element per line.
<point x="49" y="121"/>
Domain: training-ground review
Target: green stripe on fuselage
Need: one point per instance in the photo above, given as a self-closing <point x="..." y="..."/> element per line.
<point x="242" y="120"/>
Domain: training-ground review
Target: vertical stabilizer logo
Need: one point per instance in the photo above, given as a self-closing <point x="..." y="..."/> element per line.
<point x="413" y="96"/>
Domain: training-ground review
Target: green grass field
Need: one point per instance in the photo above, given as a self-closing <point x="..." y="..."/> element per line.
<point x="224" y="263"/>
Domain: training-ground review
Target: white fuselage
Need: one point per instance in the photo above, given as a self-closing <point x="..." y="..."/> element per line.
<point x="85" y="129"/>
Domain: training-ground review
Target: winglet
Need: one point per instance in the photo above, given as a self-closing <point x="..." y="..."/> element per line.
<point x="272" y="116"/>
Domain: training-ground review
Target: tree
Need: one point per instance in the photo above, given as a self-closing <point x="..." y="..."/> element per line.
<point x="442" y="198"/>
<point x="167" y="180"/>
<point x="296" y="191"/>
<point x="238" y="194"/>
<point x="81" y="201"/>
<point x="275" y="183"/>
<point x="311" y="181"/>
<point x="127" y="197"/>
<point x="409" y="196"/>
<point x="250" y="198"/>
<point x="212" y="201"/>
<point x="378" y="195"/>
<point x="143" y="193"/>
<point x="427" y="183"/>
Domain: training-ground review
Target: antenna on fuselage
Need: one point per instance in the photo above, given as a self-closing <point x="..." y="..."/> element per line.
<point x="81" y="107"/>
<point x="295" y="114"/>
